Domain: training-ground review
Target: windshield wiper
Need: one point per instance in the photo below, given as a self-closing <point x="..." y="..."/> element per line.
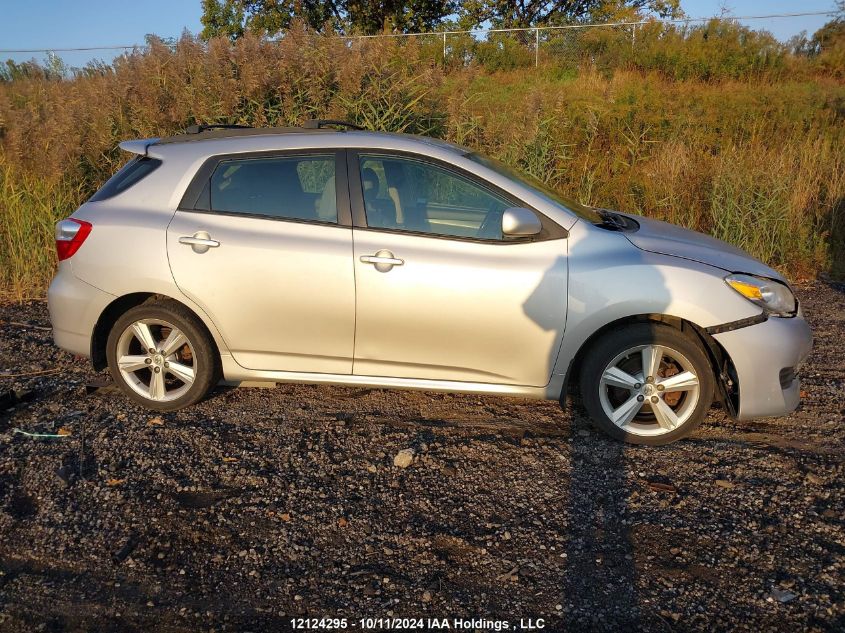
<point x="613" y="221"/>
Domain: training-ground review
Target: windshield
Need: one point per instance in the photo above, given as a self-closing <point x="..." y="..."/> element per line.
<point x="537" y="186"/>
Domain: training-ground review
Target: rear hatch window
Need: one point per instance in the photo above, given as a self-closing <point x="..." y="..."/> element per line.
<point x="130" y="174"/>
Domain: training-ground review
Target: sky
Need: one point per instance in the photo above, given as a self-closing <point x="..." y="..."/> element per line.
<point x="32" y="24"/>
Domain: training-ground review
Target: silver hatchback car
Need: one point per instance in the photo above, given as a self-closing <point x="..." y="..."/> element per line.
<point x="340" y="256"/>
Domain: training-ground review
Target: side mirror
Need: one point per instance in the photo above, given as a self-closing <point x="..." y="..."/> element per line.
<point x="520" y="222"/>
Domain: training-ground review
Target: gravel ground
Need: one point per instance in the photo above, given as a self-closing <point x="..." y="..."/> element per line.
<point x="262" y="504"/>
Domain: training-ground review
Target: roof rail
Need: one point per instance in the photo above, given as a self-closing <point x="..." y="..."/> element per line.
<point x="196" y="129"/>
<point x="316" y="124"/>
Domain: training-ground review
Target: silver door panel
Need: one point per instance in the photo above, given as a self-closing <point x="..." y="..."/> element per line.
<point x="459" y="310"/>
<point x="281" y="293"/>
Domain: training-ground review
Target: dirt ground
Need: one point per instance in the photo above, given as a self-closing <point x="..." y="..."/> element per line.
<point x="259" y="505"/>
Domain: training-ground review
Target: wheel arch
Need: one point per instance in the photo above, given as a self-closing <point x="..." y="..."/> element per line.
<point x="112" y="312"/>
<point x="724" y="373"/>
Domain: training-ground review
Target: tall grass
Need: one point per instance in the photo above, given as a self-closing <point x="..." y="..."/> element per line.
<point x="29" y="208"/>
<point x="760" y="165"/>
<point x="757" y="160"/>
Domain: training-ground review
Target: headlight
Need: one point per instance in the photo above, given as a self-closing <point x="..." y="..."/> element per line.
<point x="774" y="297"/>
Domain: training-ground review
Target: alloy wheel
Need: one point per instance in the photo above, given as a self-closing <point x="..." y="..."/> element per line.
<point x="156" y="360"/>
<point x="649" y="390"/>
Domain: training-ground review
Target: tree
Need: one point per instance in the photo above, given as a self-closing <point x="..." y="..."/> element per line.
<point x="231" y="18"/>
<point x="829" y="36"/>
<point x="404" y="16"/>
<point x="53" y="68"/>
<point x="828" y="44"/>
<point x="524" y="13"/>
<point x="225" y="19"/>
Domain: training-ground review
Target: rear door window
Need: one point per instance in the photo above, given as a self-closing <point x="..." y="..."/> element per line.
<point x="290" y="187"/>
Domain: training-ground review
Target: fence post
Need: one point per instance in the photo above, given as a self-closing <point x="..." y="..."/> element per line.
<point x="444" y="48"/>
<point x="536" y="47"/>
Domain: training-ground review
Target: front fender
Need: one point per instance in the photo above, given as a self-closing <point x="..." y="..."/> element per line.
<point x="612" y="280"/>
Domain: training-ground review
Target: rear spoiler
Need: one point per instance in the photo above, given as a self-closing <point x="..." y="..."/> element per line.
<point x="139" y="146"/>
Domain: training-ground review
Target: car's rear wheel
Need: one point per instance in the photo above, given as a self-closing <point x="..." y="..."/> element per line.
<point x="647" y="384"/>
<point x="161" y="356"/>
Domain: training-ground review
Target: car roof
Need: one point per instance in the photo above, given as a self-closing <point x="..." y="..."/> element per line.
<point x="215" y="141"/>
<point x="241" y="132"/>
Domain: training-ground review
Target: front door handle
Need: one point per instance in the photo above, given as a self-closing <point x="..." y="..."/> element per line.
<point x="199" y="241"/>
<point x="383" y="260"/>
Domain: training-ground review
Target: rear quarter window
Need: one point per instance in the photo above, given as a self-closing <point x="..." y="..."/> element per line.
<point x="130" y="174"/>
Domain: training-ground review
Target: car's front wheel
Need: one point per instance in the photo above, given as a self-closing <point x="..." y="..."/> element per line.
<point x="647" y="384"/>
<point x="161" y="356"/>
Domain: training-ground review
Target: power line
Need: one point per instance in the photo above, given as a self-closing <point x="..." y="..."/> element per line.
<point x="467" y="32"/>
<point x="68" y="50"/>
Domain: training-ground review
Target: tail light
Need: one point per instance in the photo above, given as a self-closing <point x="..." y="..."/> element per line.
<point x="70" y="234"/>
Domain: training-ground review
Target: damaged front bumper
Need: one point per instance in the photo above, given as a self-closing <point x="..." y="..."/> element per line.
<point x="766" y="356"/>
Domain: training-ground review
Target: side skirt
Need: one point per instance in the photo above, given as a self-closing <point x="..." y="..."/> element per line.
<point x="234" y="373"/>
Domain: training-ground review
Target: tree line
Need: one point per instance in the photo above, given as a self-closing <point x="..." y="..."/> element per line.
<point x="233" y="18"/>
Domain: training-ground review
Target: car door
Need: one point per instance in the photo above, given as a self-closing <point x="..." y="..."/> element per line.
<point x="441" y="293"/>
<point x="263" y="244"/>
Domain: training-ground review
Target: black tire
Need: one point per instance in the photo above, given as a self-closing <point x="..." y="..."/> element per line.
<point x="610" y="346"/>
<point x="202" y="353"/>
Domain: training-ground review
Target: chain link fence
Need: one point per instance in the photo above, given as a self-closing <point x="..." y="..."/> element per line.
<point x="568" y="46"/>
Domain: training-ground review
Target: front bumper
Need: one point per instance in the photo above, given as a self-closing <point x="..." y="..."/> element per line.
<point x="75" y="307"/>
<point x="760" y="353"/>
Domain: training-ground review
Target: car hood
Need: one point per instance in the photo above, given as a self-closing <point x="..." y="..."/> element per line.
<point x="655" y="236"/>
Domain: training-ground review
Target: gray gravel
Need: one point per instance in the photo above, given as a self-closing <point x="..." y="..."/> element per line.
<point x="261" y="504"/>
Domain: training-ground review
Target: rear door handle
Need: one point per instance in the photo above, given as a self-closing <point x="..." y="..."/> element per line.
<point x="199" y="241"/>
<point x="383" y="260"/>
<point x="375" y="259"/>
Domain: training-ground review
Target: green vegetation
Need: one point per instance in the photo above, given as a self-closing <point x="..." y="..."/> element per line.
<point x="233" y="18"/>
<point x="744" y="140"/>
